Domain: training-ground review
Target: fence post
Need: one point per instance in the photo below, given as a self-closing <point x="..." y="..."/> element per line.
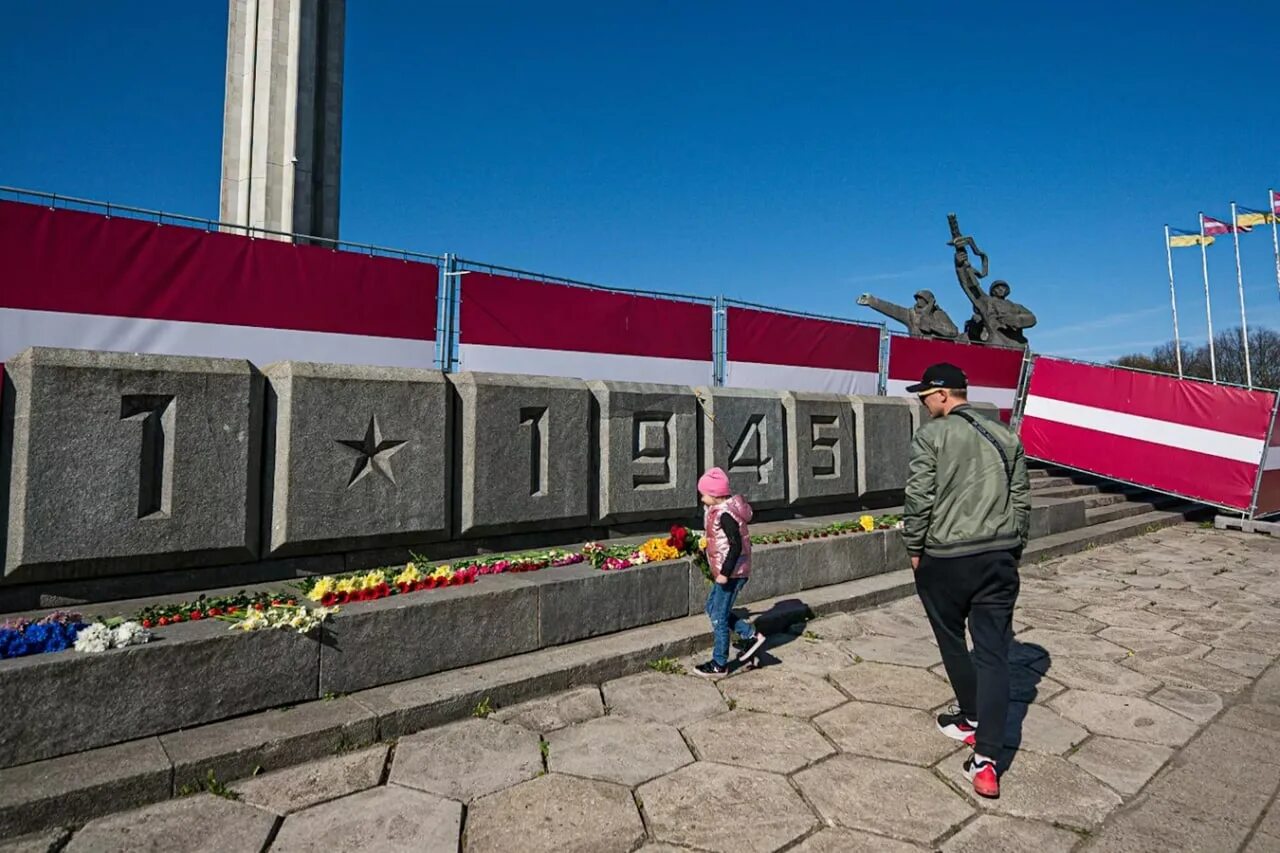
<point x="1020" y="394"/>
<point x="720" y="341"/>
<point x="1262" y="463"/>
<point x="882" y="381"/>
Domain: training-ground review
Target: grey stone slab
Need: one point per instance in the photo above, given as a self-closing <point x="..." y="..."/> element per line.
<point x="1026" y="684"/>
<point x="577" y="602"/>
<point x="885" y="731"/>
<point x="1199" y="705"/>
<point x="77" y="788"/>
<point x="617" y="749"/>
<point x="1190" y="672"/>
<point x="1045" y="788"/>
<point x="648" y="450"/>
<point x="676" y="700"/>
<point x="358" y="457"/>
<point x="1059" y="620"/>
<point x="1066" y="644"/>
<point x="1159" y="825"/>
<point x="785" y="568"/>
<point x="910" y="802"/>
<point x="838" y="840"/>
<point x="167" y="454"/>
<point x="1039" y="729"/>
<point x="36" y="842"/>
<point x="297" y="788"/>
<point x="894" y="623"/>
<point x="994" y="834"/>
<point x="778" y="690"/>
<point x="882" y="443"/>
<point x="387" y="819"/>
<point x="1154" y="643"/>
<point x="524" y="457"/>
<point x="893" y="685"/>
<point x="199" y="823"/>
<point x="1101" y="676"/>
<point x="466" y="760"/>
<point x="1126" y="617"/>
<point x="1124" y="717"/>
<point x="727" y="809"/>
<point x="1050" y="517"/>
<point x="452" y="627"/>
<point x="269" y="740"/>
<point x="742" y="433"/>
<point x="821" y="458"/>
<point x="551" y="713"/>
<point x="820" y="658"/>
<point x="179" y="679"/>
<point x="1125" y="765"/>
<point x="758" y="741"/>
<point x="919" y="652"/>
<point x="1248" y="664"/>
<point x="556" y="814"/>
<point x="1257" y="718"/>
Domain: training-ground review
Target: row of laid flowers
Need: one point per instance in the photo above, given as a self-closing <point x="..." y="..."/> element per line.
<point x="279" y="610"/>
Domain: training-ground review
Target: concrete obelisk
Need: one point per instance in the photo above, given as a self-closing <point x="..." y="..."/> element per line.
<point x="282" y="121"/>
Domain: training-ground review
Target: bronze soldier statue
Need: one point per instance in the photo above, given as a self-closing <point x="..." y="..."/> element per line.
<point x="925" y="319"/>
<point x="995" y="320"/>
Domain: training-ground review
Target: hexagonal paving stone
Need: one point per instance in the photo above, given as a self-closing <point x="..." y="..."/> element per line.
<point x="815" y="657"/>
<point x="838" y="840"/>
<point x="1199" y="705"/>
<point x="1058" y="620"/>
<point x="187" y="823"/>
<point x="1123" y="764"/>
<point x="759" y="741"/>
<point x="1066" y="644"/>
<point x="555" y="814"/>
<point x="884" y="797"/>
<point x="717" y="807"/>
<point x="886" y="731"/>
<point x="918" y="652"/>
<point x="1248" y="664"/>
<point x="617" y="749"/>
<point x="1101" y="676"/>
<point x="1046" y="788"/>
<point x="778" y="690"/>
<point x="1049" y="601"/>
<point x="991" y="833"/>
<point x="1154" y="643"/>
<point x="297" y="788"/>
<point x="1124" y="717"/>
<point x="1190" y="672"/>
<point x="1037" y="728"/>
<point x="386" y="819"/>
<point x="466" y="760"/>
<point x="889" y="623"/>
<point x="1026" y="684"/>
<point x="838" y="626"/>
<point x="893" y="685"/>
<point x="1126" y="617"/>
<point x="554" y="712"/>
<point x="676" y="700"/>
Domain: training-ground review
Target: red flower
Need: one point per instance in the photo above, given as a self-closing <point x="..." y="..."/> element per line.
<point x="456" y="580"/>
<point x="196" y="615"/>
<point x="233" y="610"/>
<point x="213" y="611"/>
<point x="275" y="602"/>
<point x="328" y="599"/>
<point x="383" y="590"/>
<point x="403" y="586"/>
<point x="146" y="623"/>
<point x="257" y="606"/>
<point x="343" y="597"/>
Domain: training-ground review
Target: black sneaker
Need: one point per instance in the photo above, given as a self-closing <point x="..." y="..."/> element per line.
<point x="749" y="649"/>
<point x="711" y="669"/>
<point x="958" y="727"/>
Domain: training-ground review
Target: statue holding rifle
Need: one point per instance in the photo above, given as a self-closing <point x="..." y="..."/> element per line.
<point x="996" y="319"/>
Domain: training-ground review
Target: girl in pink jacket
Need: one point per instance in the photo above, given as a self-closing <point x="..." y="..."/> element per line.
<point x="729" y="554"/>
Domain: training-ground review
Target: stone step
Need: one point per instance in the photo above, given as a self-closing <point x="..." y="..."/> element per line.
<point x="72" y="789"/>
<point x="1071" y="491"/>
<point x="1093" y="501"/>
<point x="1128" y="509"/>
<point x="1050" y="483"/>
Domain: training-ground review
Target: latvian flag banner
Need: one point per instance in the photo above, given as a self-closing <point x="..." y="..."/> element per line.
<point x="1214" y="227"/>
<point x="787" y="352"/>
<point x="1187" y="438"/>
<point x="993" y="372"/>
<point x="517" y="325"/>
<point x="87" y="281"/>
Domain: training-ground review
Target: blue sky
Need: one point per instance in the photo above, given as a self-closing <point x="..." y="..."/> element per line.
<point x="793" y="154"/>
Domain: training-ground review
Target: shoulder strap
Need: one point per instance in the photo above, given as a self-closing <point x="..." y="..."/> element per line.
<point x="985" y="433"/>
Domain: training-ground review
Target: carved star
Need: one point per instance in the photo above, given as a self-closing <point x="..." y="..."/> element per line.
<point x="373" y="453"/>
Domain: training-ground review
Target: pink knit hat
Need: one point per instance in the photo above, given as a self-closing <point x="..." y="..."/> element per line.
<point x="715" y="483"/>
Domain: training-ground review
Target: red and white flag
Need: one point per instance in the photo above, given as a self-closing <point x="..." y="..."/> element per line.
<point x="993" y="372"/>
<point x="1215" y="227"/>
<point x="1275" y="202"/>
<point x="772" y="349"/>
<point x="1194" y="439"/>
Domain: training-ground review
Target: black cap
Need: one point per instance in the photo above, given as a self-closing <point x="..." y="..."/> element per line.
<point x="941" y="376"/>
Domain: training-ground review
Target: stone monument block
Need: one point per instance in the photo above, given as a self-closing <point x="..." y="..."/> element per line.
<point x="820" y="453"/>
<point x="648" y="450"/>
<point x="522" y="458"/>
<point x="882" y="442"/>
<point x="359" y="456"/>
<point x="123" y="463"/>
<point x="742" y="432"/>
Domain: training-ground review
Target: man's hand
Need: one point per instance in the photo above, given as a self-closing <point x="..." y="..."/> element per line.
<point x="722" y="579"/>
<point x="915" y="563"/>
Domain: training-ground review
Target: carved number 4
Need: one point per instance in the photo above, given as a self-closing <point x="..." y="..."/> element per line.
<point x="751" y="453"/>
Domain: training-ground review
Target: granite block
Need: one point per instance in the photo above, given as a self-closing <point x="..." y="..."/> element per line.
<point x="742" y="432"/>
<point x="576" y="602"/>
<point x="882" y="442"/>
<point x="820" y="452"/>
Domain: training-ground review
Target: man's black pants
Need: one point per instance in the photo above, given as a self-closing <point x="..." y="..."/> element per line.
<point x="980" y="589"/>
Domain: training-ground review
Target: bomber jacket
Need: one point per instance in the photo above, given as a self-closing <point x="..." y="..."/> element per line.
<point x="961" y="499"/>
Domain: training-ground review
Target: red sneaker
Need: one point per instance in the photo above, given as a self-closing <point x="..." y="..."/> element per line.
<point x="956" y="727"/>
<point x="982" y="773"/>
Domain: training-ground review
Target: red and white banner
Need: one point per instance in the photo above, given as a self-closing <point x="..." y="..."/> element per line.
<point x="1268" y="498"/>
<point x="993" y="372"/>
<point x="769" y="349"/>
<point x="87" y="281"/>
<point x="517" y="325"/>
<point x="1188" y="438"/>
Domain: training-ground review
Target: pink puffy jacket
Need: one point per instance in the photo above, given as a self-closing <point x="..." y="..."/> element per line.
<point x="718" y="542"/>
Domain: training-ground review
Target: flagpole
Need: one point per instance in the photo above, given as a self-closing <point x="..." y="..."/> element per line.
<point x="1272" y="196"/>
<point x="1244" y="323"/>
<point x="1173" y="299"/>
<point x="1208" y="307"/>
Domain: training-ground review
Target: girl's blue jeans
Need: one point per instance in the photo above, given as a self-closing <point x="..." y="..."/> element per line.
<point x="720" y="612"/>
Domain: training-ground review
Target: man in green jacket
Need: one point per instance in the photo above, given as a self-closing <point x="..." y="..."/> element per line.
<point x="968" y="512"/>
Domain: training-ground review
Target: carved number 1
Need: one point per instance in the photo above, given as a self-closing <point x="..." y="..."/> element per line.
<point x="535" y="418"/>
<point x="155" y="464"/>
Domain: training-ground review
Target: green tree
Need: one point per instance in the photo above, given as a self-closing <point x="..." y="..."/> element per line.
<point x="1264" y="356"/>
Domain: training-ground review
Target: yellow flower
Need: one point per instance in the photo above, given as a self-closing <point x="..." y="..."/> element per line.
<point x="346" y="585"/>
<point x="656" y="550"/>
<point x="409" y="575"/>
<point x="322" y="587"/>
<point x="442" y="572"/>
<point x="867" y="523"/>
<point x="373" y="579"/>
<point x="702" y="543"/>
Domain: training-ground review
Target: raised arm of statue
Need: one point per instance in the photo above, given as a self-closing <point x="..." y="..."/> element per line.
<point x="897" y="312"/>
<point x="980" y="254"/>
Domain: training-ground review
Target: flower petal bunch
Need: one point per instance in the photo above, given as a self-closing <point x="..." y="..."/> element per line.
<point x="206" y="607"/>
<point x="100" y="636"/>
<point x="333" y="590"/>
<point x="282" y="617"/>
<point x="51" y="633"/>
<point x="530" y="562"/>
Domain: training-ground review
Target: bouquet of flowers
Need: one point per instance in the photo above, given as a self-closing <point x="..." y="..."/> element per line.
<point x="52" y="633"/>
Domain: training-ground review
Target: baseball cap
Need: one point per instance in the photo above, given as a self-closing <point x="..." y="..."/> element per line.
<point x="940" y="376"/>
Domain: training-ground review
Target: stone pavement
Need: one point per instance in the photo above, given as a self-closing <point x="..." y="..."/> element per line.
<point x="1146" y="710"/>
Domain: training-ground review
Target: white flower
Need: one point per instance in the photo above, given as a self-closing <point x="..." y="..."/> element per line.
<point x="129" y="634"/>
<point x="94" y="638"/>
